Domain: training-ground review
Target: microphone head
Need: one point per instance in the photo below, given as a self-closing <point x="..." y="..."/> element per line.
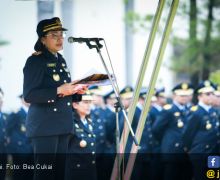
<point x="71" y="40"/>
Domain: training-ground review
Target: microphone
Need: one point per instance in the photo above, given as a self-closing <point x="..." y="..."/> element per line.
<point x="81" y="40"/>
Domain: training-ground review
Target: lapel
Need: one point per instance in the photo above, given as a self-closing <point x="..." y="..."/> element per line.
<point x="81" y="125"/>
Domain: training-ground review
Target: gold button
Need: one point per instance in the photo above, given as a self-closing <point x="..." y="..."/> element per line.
<point x="68" y="103"/>
<point x="55" y="109"/>
<point x="92" y="144"/>
<point x="61" y="70"/>
<point x="52" y="100"/>
<point x="64" y="81"/>
<point x="78" y="165"/>
<point x="48" y="101"/>
<point x="93" y="162"/>
<point x="54" y="70"/>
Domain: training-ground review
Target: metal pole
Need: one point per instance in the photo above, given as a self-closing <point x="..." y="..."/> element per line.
<point x="140" y="80"/>
<point x="154" y="76"/>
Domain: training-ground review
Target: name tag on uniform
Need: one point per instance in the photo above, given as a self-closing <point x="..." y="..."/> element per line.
<point x="79" y="130"/>
<point x="51" y="65"/>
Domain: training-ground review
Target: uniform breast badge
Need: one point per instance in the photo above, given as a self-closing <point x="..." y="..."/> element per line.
<point x="180" y="123"/>
<point x="82" y="143"/>
<point x="56" y="77"/>
<point x="208" y="125"/>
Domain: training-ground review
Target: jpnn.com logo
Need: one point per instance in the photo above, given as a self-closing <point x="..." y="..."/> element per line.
<point x="213" y="162"/>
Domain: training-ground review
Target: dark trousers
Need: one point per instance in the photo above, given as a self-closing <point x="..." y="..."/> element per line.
<point x="50" y="153"/>
<point x="177" y="170"/>
<point x="141" y="169"/>
<point x="3" y="162"/>
<point x="156" y="167"/>
<point x="21" y="159"/>
<point x="199" y="169"/>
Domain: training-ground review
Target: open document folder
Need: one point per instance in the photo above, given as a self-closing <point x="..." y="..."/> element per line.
<point x="95" y="79"/>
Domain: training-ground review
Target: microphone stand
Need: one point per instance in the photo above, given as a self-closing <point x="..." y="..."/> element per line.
<point x="98" y="46"/>
<point x="118" y="105"/>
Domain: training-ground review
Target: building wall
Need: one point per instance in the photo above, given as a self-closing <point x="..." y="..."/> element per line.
<point x="96" y="18"/>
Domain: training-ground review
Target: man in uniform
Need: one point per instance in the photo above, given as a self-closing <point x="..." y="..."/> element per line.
<point x="110" y="101"/>
<point x="126" y="97"/>
<point x="201" y="136"/>
<point x="19" y="145"/>
<point x="168" y="128"/>
<point x="3" y="155"/>
<point x="157" y="103"/>
<point x="110" y="146"/>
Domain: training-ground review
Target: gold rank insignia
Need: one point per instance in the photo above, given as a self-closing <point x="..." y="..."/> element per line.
<point x="56" y="77"/>
<point x="208" y="125"/>
<point x="194" y="108"/>
<point x="36" y="53"/>
<point x="207" y="83"/>
<point x="184" y="86"/>
<point x="51" y="65"/>
<point x="180" y="123"/>
<point x="82" y="143"/>
<point x="23" y="128"/>
<point x="167" y="106"/>
<point x="177" y="114"/>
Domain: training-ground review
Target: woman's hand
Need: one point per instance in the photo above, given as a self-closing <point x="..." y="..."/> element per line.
<point x="68" y="89"/>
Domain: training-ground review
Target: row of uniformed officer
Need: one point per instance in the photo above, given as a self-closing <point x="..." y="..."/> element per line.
<point x="202" y="134"/>
<point x="18" y="144"/>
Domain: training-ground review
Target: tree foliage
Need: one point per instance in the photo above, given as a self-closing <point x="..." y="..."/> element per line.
<point x="196" y="55"/>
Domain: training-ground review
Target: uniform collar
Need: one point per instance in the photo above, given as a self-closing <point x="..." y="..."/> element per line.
<point x="110" y="108"/>
<point x="51" y="56"/>
<point x="204" y="106"/>
<point x="180" y="107"/>
<point x="84" y="121"/>
<point x="139" y="106"/>
<point x="25" y="108"/>
<point x="158" y="107"/>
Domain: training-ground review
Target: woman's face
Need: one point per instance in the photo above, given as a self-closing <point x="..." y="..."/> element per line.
<point x="83" y="107"/>
<point x="53" y="40"/>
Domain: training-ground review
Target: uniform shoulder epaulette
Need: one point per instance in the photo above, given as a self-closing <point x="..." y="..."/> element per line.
<point x="167" y="106"/>
<point x="194" y="108"/>
<point x="36" y="53"/>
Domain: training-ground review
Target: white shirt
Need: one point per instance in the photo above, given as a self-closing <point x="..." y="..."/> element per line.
<point x="84" y="121"/>
<point x="140" y="106"/>
<point x="204" y="106"/>
<point x="181" y="107"/>
<point x="158" y="107"/>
